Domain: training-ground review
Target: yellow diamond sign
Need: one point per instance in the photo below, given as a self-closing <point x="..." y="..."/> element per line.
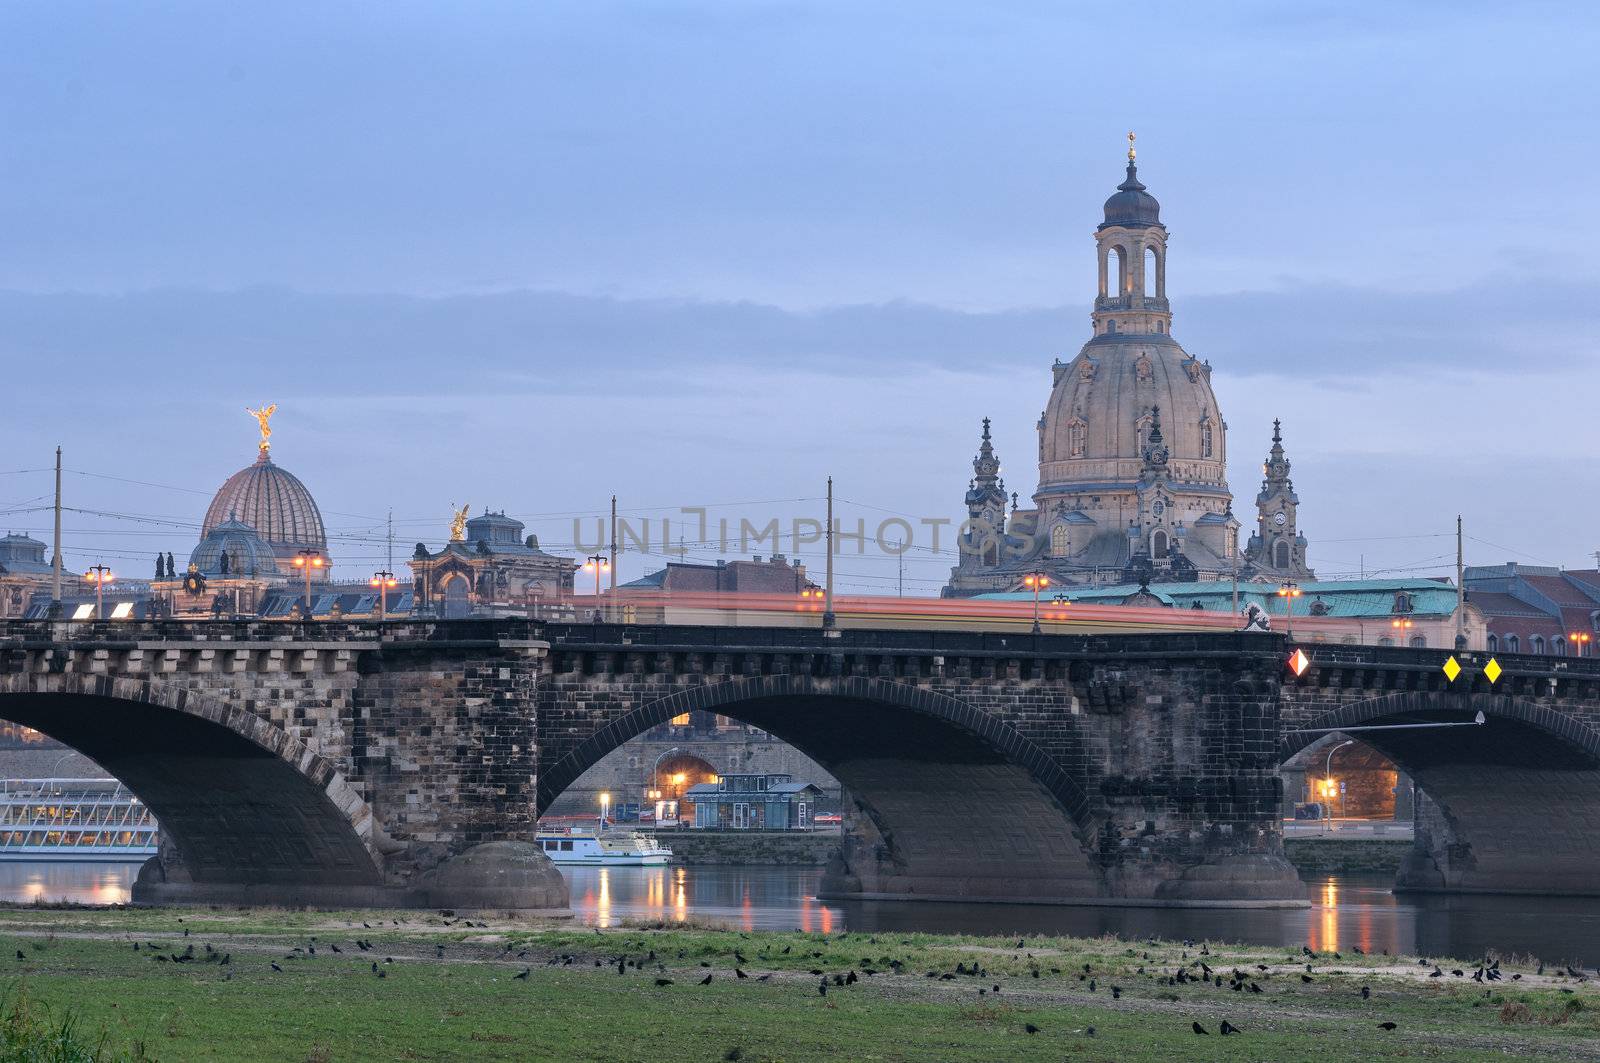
<point x="1492" y="669"/>
<point x="1452" y="668"/>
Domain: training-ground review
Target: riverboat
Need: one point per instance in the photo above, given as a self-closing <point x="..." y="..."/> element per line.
<point x="614" y="849"/>
<point x="74" y="819"/>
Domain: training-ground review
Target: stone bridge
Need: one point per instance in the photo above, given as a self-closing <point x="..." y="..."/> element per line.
<point x="405" y="763"/>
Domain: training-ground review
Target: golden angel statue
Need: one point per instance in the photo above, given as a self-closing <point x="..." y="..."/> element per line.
<point x="263" y="418"/>
<point x="458" y="524"/>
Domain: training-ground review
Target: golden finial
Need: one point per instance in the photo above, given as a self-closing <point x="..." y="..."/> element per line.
<point x="458" y="524"/>
<point x="1131" y="152"/>
<point x="263" y="418"/>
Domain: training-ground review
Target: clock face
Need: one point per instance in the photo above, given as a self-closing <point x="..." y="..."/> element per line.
<point x="1280" y="518"/>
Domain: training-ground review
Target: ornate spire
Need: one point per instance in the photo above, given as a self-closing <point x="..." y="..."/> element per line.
<point x="1276" y="467"/>
<point x="986" y="464"/>
<point x="1155" y="449"/>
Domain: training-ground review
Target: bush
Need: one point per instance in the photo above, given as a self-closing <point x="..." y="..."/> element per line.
<point x="30" y="1034"/>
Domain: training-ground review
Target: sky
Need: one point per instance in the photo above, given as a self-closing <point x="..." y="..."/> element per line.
<point x="693" y="254"/>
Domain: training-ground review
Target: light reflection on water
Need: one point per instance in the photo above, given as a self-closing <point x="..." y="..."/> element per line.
<point x="1346" y="911"/>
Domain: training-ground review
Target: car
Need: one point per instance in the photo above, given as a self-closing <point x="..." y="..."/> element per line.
<point x="827" y="819"/>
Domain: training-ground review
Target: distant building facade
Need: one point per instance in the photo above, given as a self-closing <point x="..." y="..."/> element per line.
<point x="492" y="570"/>
<point x="1537" y="609"/>
<point x="24" y="572"/>
<point x="761" y="801"/>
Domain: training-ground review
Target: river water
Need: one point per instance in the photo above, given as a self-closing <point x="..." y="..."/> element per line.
<point x="1346" y="910"/>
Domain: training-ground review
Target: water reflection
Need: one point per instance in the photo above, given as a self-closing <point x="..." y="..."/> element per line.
<point x="49" y="881"/>
<point x="1346" y="911"/>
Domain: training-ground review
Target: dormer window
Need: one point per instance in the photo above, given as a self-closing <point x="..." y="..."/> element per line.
<point x="1402" y="603"/>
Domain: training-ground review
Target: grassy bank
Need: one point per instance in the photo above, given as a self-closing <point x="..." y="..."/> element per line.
<point x="450" y="991"/>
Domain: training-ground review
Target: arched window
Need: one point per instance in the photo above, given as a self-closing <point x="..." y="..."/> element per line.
<point x="1077" y="437"/>
<point x="1280" y="554"/>
<point x="1386" y="641"/>
<point x="1116" y="272"/>
<point x="457" y="603"/>
<point x="1536" y="644"/>
<point x="1111" y="326"/>
<point x="1419" y="641"/>
<point x="1158" y="544"/>
<point x="1558" y="646"/>
<point x="1152" y="272"/>
<point x="1207" y="439"/>
<point x="1494" y="643"/>
<point x="1513" y="644"/>
<point x="1058" y="541"/>
<point x="1402" y="603"/>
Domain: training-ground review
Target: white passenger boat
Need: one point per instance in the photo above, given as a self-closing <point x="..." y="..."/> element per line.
<point x="74" y="819"/>
<point x="616" y="849"/>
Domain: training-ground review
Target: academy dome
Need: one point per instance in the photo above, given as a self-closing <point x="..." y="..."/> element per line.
<point x="275" y="505"/>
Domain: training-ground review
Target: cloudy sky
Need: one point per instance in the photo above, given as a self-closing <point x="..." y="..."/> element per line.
<point x="706" y="254"/>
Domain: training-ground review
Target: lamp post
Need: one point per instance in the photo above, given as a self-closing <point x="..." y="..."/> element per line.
<point x="596" y="563"/>
<point x="1327" y="775"/>
<point x="384" y="581"/>
<point x="1402" y="626"/>
<point x="308" y="561"/>
<point x="1289" y="591"/>
<point x="1579" y="641"/>
<point x="1036" y="581"/>
<point x="99" y="575"/>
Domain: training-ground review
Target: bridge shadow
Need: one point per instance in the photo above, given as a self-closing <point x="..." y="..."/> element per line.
<point x="945" y="802"/>
<point x="1512" y="806"/>
<point x="246" y="812"/>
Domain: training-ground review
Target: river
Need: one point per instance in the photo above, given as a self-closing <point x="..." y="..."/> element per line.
<point x="1347" y="911"/>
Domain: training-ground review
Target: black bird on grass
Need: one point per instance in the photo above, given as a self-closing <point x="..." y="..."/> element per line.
<point x="1116" y="992"/>
<point x="1386" y="1025"/>
<point x="734" y="1054"/>
<point x="1228" y="1028"/>
<point x="20" y="956"/>
<point x="275" y="967"/>
<point x="522" y="975"/>
<point x="1197" y="1028"/>
<point x="822" y="987"/>
<point x="706" y="980"/>
<point x="1305" y="978"/>
<point x="1030" y="1027"/>
<point x="740" y="973"/>
<point x="1366" y="992"/>
<point x="663" y="981"/>
<point x="374" y="966"/>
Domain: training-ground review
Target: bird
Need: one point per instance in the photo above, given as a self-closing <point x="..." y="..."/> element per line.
<point x="706" y="980"/>
<point x="374" y="966"/>
<point x="663" y="981"/>
<point x="1197" y="1028"/>
<point x="522" y="975"/>
<point x="822" y="987"/>
<point x="1366" y="992"/>
<point x="1116" y="992"/>
<point x="382" y="973"/>
<point x="1030" y="1027"/>
<point x="335" y="948"/>
<point x="275" y="967"/>
<point x="733" y="1055"/>
<point x="1305" y="978"/>
<point x="1228" y="1028"/>
<point x="740" y="973"/>
<point x="20" y="956"/>
<point x="1387" y="1025"/>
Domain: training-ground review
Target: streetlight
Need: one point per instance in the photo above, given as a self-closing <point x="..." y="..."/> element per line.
<point x="1289" y="591"/>
<point x="1402" y="626"/>
<point x="1327" y="775"/>
<point x="605" y="808"/>
<point x="99" y="575"/>
<point x="307" y="561"/>
<point x="1579" y="641"/>
<point x="596" y="563"/>
<point x="1037" y="581"/>
<point x="385" y="582"/>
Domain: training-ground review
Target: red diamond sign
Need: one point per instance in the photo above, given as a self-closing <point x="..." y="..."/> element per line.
<point x="1299" y="662"/>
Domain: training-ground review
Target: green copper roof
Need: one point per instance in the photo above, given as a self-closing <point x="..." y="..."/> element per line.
<point x="1344" y="598"/>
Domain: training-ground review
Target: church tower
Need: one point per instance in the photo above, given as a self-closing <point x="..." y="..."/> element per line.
<point x="1277" y="549"/>
<point x="1132" y="248"/>
<point x="986" y="504"/>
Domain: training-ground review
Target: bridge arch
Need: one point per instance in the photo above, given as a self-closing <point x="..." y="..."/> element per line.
<point x="246" y="804"/>
<point x="1511" y="806"/>
<point x="949" y="801"/>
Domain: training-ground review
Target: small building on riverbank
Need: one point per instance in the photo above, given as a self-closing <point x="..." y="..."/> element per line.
<point x="754" y="802"/>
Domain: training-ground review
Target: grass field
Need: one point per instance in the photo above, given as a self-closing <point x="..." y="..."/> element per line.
<point x="81" y="966"/>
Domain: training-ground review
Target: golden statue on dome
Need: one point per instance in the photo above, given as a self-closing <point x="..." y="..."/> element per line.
<point x="458" y="524"/>
<point x="263" y="418"/>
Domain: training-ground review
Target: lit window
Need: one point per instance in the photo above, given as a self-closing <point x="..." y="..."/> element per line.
<point x="122" y="611"/>
<point x="83" y="612"/>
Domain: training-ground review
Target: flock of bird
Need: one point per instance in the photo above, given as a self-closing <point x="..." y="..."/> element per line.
<point x="1168" y="972"/>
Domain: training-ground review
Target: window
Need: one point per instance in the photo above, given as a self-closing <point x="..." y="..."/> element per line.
<point x="1536" y="644"/>
<point x="1077" y="437"/>
<point x="1558" y="646"/>
<point x="1152" y="272"/>
<point x="1402" y="603"/>
<point x="1513" y="644"/>
<point x="1206" y="439"/>
<point x="1280" y="554"/>
<point x="1419" y="641"/>
<point x="1158" y="544"/>
<point x="1058" y="541"/>
<point x="1116" y="273"/>
<point x="1494" y="643"/>
<point x="1386" y="641"/>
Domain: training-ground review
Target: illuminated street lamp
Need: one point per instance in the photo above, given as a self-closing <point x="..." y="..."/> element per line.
<point x="1289" y="591"/>
<point x="1329" y="785"/>
<point x="308" y="561"/>
<point x="1580" y="642"/>
<point x="1036" y="581"/>
<point x="598" y="564"/>
<point x="99" y="575"/>
<point x="385" y="582"/>
<point x="1402" y="626"/>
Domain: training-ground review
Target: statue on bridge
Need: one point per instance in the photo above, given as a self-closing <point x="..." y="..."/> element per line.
<point x="1256" y="618"/>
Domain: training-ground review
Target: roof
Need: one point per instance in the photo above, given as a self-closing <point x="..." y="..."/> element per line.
<point x="275" y="503"/>
<point x="1344" y="598"/>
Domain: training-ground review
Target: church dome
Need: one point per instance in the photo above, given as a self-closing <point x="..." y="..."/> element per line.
<point x="1130" y="205"/>
<point x="1101" y="406"/>
<point x="276" y="507"/>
